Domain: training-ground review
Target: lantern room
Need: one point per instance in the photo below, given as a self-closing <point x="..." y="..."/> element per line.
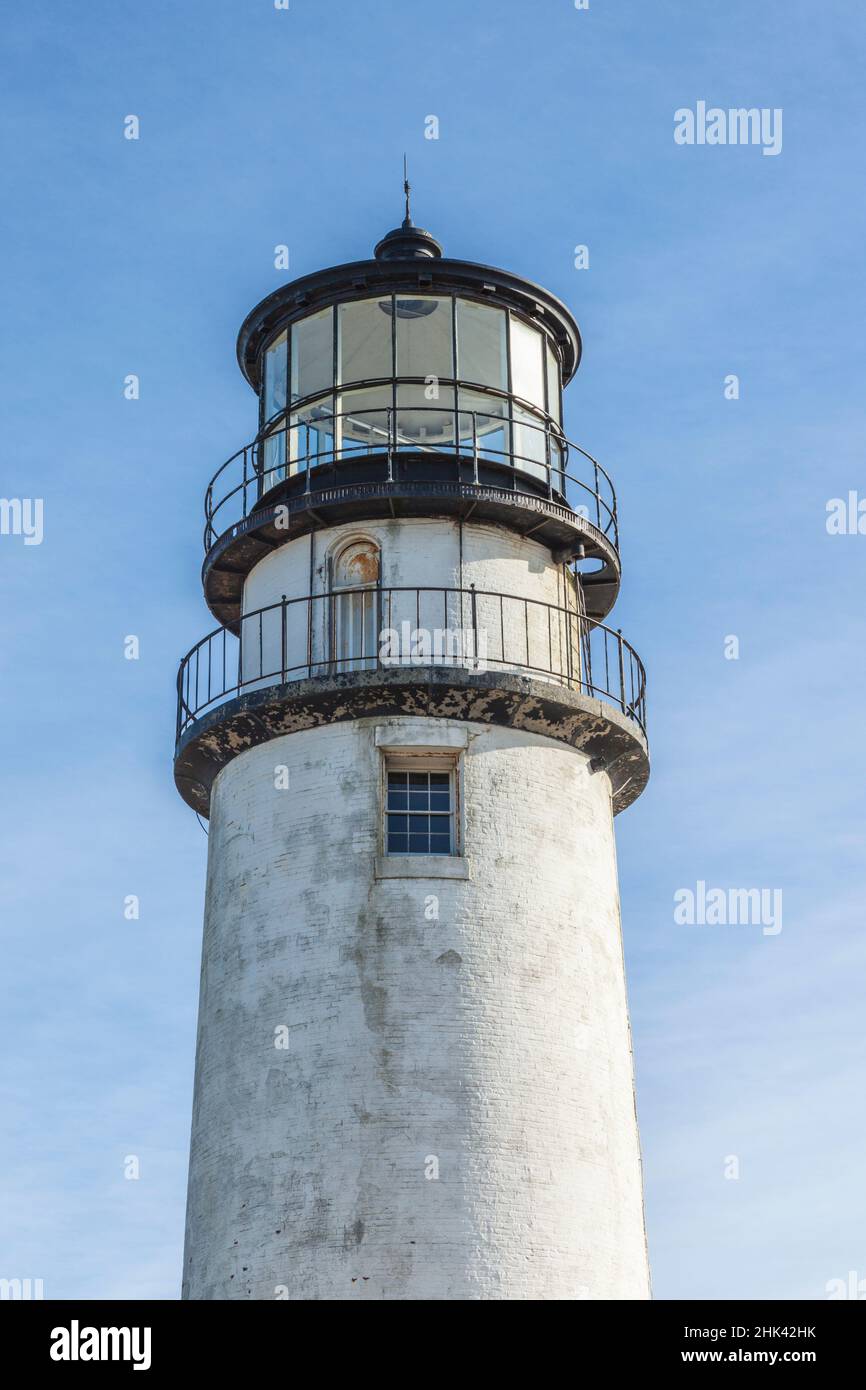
<point x="409" y="384"/>
<point x="414" y="372"/>
<point x="410" y="353"/>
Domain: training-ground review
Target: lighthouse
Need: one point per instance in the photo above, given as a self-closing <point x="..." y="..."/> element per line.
<point x="410" y="734"/>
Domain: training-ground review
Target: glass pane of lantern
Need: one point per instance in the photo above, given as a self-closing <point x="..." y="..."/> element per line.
<point x="364" y="342"/>
<point x="274" y="393"/>
<point x="424" y="336"/>
<point x="313" y="354"/>
<point x="530" y="444"/>
<point x="483" y="424"/>
<point x="274" y="458"/>
<point x="362" y="420"/>
<point x="553" y="407"/>
<point x="527" y="363"/>
<point x="481" y="344"/>
<point x="423" y="422"/>
<point x="311" y="435"/>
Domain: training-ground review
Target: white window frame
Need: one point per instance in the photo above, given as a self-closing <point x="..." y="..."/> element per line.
<point x="437" y="750"/>
<point x="423" y="762"/>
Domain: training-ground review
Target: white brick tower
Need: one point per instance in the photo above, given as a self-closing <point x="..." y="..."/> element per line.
<point x="411" y="733"/>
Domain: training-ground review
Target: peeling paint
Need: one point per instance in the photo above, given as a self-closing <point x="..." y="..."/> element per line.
<point x="613" y="740"/>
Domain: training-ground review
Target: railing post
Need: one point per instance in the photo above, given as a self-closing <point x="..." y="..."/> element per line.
<point x="258" y="453"/>
<point x="597" y="497"/>
<point x="299" y="427"/>
<point x="474" y="602"/>
<point x="550" y="670"/>
<point x="310" y="601"/>
<point x="283" y="640"/>
<point x="474" y="447"/>
<point x="379" y="625"/>
<point x="621" y="670"/>
<point x="548" y="464"/>
<point x="391" y="427"/>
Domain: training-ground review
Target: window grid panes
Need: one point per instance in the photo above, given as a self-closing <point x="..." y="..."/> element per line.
<point x="419" y="813"/>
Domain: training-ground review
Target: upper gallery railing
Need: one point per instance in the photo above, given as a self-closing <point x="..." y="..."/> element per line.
<point x="538" y="458"/>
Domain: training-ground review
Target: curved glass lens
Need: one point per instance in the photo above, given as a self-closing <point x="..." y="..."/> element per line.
<point x="425" y="417"/>
<point x="363" y="342"/>
<point x="441" y="342"/>
<point x="313" y="354"/>
<point x="554" y="385"/>
<point x="527" y="363"/>
<point x="424" y="337"/>
<point x="483" y="426"/>
<point x="363" y="419"/>
<point x="274" y="392"/>
<point x="530" y="444"/>
<point x="311" y="435"/>
<point x="482" y="348"/>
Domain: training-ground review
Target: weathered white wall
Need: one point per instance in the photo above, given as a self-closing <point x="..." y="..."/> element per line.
<point x="492" y="1038"/>
<point x="417" y="552"/>
<point x="420" y="553"/>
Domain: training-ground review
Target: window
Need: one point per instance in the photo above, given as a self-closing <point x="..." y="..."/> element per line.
<point x="421" y="798"/>
<point x="419" y="809"/>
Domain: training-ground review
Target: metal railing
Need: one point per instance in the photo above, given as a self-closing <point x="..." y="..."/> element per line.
<point x="372" y="628"/>
<point x="537" y="457"/>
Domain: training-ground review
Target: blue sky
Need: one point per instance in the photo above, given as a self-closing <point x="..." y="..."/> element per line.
<point x="261" y="127"/>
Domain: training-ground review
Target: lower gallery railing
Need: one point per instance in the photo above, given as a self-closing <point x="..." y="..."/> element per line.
<point x="373" y="628"/>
